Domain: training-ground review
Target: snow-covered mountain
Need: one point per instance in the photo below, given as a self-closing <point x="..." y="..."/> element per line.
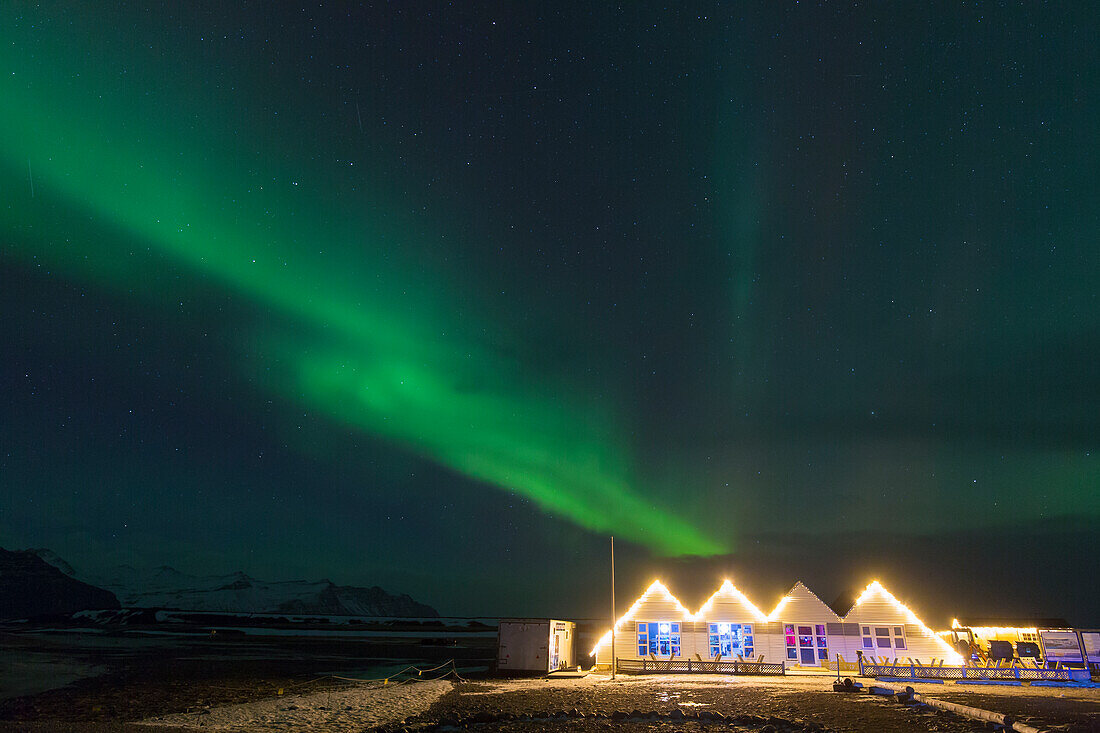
<point x="54" y="559"/>
<point x="30" y="586"/>
<point x="166" y="587"/>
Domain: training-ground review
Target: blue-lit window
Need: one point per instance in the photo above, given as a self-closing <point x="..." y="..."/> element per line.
<point x="659" y="638"/>
<point x="730" y="640"/>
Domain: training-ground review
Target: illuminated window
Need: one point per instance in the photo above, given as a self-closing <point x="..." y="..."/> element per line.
<point x="659" y="638"/>
<point x="885" y="637"/>
<point x="729" y="640"/>
<point x="822" y="641"/>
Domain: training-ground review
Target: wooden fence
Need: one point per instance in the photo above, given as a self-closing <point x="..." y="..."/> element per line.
<point x="918" y="672"/>
<point x="657" y="666"/>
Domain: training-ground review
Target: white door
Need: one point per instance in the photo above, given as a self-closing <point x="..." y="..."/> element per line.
<point x="807" y="644"/>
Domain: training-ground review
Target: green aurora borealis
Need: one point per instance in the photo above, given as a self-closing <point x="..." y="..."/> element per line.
<point x="736" y="285"/>
<point x="375" y="344"/>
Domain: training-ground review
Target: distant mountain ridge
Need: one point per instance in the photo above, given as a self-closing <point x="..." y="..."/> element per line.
<point x="166" y="587"/>
<point x="30" y="586"/>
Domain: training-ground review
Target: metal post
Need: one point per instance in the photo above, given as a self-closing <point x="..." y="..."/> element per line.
<point x="613" y="616"/>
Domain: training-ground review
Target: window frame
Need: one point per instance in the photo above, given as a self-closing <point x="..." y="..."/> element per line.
<point x="894" y="637"/>
<point x="654" y="640"/>
<point x="737" y="637"/>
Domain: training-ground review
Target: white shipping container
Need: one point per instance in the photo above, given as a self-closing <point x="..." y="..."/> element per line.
<point x="535" y="645"/>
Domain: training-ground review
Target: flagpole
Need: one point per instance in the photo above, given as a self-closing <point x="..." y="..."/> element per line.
<point x="613" y="607"/>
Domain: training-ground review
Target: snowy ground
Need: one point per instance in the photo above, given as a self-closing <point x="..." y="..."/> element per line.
<point x="337" y="710"/>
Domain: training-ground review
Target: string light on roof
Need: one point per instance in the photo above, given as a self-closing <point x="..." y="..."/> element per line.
<point x="728" y="588"/>
<point x="877" y="588"/>
<point x="655" y="587"/>
<point x="778" y="607"/>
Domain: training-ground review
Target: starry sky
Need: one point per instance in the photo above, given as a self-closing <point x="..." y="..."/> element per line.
<point x="440" y="296"/>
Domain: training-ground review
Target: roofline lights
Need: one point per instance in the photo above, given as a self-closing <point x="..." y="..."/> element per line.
<point x="654" y="587"/>
<point x="988" y="632"/>
<point x="779" y="607"/>
<point x="785" y="599"/>
<point x="730" y="588"/>
<point x="877" y="587"/>
<point x="727" y="587"/>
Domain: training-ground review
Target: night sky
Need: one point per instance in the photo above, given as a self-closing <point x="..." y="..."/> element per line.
<point x="440" y="296"/>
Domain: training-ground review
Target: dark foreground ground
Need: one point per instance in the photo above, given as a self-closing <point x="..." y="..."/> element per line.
<point x="157" y="677"/>
<point x="794" y="702"/>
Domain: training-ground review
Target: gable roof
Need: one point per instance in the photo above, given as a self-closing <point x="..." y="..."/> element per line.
<point x="655" y="592"/>
<point x="875" y="593"/>
<point x="727" y="600"/>
<point x="801" y="604"/>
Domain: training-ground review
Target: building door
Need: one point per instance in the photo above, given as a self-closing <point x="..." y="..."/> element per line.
<point x="807" y="657"/>
<point x="806" y="643"/>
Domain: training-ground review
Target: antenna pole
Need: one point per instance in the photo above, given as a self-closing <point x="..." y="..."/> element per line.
<point x="612" y="607"/>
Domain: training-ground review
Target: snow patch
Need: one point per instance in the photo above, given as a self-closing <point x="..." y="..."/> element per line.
<point x="339" y="710"/>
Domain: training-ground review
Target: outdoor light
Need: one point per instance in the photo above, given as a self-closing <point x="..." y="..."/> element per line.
<point x="665" y="628"/>
<point x="723" y="628"/>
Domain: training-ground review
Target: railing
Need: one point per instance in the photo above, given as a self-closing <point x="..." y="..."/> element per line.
<point x="917" y="671"/>
<point x="839" y="664"/>
<point x="656" y="666"/>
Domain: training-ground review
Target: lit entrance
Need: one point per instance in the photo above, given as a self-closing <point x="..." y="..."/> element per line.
<point x="807" y="644"/>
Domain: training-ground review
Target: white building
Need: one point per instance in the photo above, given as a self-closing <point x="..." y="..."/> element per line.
<point x="801" y="630"/>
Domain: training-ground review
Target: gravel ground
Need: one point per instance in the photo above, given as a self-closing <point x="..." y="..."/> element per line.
<point x="800" y="703"/>
<point x="196" y="691"/>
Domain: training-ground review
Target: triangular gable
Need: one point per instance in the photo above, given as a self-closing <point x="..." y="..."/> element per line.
<point x="729" y="604"/>
<point x="801" y="604"/>
<point x="877" y="601"/>
<point x="655" y="592"/>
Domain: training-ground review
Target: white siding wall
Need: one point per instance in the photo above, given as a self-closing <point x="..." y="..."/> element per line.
<point x="801" y="607"/>
<point x="729" y="606"/>
<point x="769" y="642"/>
<point x="655" y="605"/>
<point x="880" y="609"/>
